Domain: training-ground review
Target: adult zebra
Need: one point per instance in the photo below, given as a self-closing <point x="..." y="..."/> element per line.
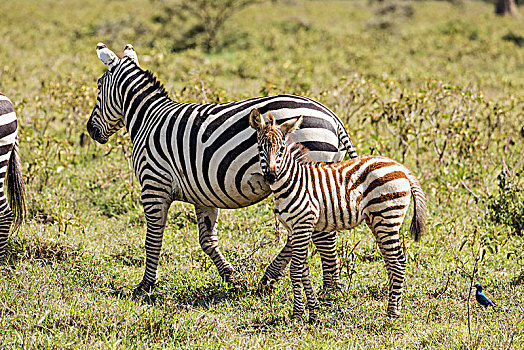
<point x="201" y="154"/>
<point x="12" y="208"/>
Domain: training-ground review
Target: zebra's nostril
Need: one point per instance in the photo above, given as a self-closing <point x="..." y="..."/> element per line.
<point x="270" y="177"/>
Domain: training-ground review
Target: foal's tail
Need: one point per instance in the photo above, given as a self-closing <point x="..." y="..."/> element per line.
<point x="15" y="188"/>
<point x="418" y="223"/>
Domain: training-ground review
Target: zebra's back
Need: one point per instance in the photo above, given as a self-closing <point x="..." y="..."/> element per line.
<point x="211" y="152"/>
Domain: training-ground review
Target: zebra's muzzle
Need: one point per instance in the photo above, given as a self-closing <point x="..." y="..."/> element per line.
<point x="96" y="134"/>
<point x="270" y="177"/>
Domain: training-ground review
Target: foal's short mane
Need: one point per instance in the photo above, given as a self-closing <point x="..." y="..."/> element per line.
<point x="299" y="151"/>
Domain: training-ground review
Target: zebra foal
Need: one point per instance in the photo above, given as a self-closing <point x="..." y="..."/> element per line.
<point x="325" y="197"/>
<point x="12" y="207"/>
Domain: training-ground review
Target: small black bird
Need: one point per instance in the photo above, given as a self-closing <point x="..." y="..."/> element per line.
<point x="482" y="299"/>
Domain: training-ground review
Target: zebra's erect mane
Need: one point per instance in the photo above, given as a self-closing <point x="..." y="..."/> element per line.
<point x="151" y="78"/>
<point x="156" y="83"/>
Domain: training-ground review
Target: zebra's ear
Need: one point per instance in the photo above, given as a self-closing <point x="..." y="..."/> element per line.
<point x="107" y="56"/>
<point x="130" y="52"/>
<point x="271" y="119"/>
<point x="255" y="120"/>
<point x="290" y="125"/>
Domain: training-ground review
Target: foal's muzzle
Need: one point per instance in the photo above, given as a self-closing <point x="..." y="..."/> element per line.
<point x="270" y="176"/>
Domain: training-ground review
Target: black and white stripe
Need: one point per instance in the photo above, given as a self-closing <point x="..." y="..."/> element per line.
<point x="312" y="198"/>
<point x="201" y="154"/>
<point x="12" y="207"/>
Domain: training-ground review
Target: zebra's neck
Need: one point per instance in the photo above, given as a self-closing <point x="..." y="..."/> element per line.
<point x="141" y="94"/>
<point x="289" y="165"/>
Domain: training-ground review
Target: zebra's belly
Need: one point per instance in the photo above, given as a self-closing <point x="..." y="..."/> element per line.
<point x="236" y="190"/>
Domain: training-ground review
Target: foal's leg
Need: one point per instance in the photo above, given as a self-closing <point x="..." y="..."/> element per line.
<point x="299" y="271"/>
<point x="386" y="230"/>
<point x="326" y="243"/>
<point x="207" y="236"/>
<point x="326" y="246"/>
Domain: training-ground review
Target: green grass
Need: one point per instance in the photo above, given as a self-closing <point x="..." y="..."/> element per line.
<point x="440" y="90"/>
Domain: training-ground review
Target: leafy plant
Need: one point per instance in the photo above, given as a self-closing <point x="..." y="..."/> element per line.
<point x="506" y="206"/>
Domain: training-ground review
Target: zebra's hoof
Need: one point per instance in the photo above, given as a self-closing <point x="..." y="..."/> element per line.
<point x="393" y="314"/>
<point x="143" y="290"/>
<point x="265" y="286"/>
<point x="313" y="317"/>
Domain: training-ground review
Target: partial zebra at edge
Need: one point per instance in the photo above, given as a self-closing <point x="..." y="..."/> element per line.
<point x="15" y="188"/>
<point x="12" y="207"/>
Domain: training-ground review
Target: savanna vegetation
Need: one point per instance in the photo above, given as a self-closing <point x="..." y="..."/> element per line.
<point x="436" y="85"/>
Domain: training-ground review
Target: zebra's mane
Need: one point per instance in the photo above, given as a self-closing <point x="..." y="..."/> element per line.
<point x="156" y="83"/>
<point x="151" y="78"/>
<point x="299" y="152"/>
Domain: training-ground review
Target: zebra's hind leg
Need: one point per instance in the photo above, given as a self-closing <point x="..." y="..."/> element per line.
<point x="207" y="236"/>
<point x="386" y="230"/>
<point x="6" y="219"/>
<point x="275" y="270"/>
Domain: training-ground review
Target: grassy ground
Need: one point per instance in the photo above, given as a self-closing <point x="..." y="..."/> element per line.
<point x="440" y="89"/>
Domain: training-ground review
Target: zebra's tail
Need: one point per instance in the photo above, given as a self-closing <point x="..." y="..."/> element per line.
<point x="15" y="188"/>
<point x="346" y="143"/>
<point x="418" y="223"/>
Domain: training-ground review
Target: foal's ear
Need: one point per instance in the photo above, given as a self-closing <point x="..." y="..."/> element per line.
<point x="130" y="52"/>
<point x="290" y="126"/>
<point x="107" y="56"/>
<point x="271" y="119"/>
<point x="255" y="120"/>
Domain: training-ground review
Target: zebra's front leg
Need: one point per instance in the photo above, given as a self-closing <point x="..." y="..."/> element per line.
<point x="326" y="244"/>
<point x="299" y="272"/>
<point x="156" y="216"/>
<point x="6" y="219"/>
<point x="207" y="236"/>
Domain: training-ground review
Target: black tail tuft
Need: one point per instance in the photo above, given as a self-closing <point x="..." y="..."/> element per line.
<point x="418" y="222"/>
<point x="15" y="188"/>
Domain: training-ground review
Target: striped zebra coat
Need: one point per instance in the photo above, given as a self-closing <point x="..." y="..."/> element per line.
<point x="327" y="197"/>
<point x="12" y="207"/>
<point x="201" y="154"/>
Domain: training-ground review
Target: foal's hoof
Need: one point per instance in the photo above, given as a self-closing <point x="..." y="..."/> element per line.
<point x="297" y="316"/>
<point x="393" y="314"/>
